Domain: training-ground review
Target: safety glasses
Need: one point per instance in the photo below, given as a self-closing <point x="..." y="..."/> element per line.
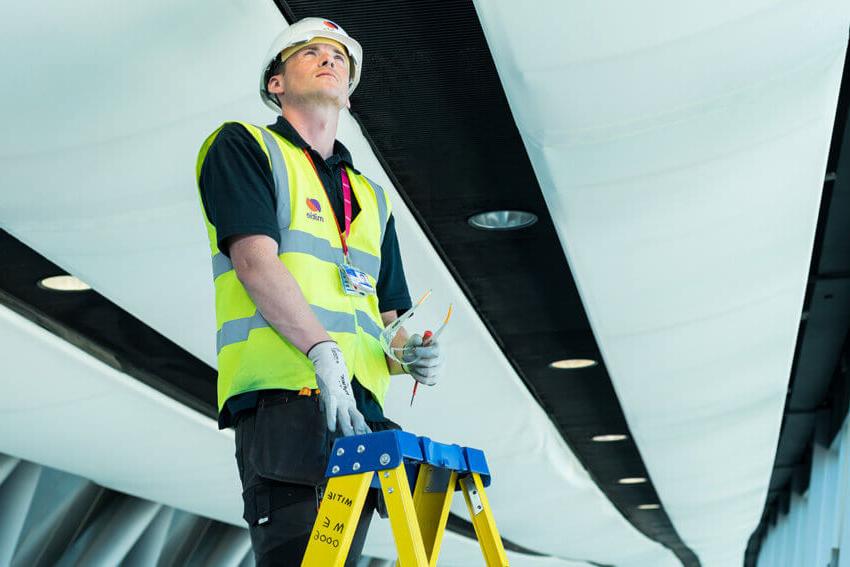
<point x="391" y="330"/>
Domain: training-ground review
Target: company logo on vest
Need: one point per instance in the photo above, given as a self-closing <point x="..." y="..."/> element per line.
<point x="315" y="208"/>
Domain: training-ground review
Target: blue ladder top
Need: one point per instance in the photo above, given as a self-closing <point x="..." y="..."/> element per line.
<point x="388" y="449"/>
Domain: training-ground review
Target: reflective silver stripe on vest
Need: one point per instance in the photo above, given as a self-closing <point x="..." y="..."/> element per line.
<point x="281" y="179"/>
<point x="383" y="216"/>
<point x="334" y="321"/>
<point x="365" y="261"/>
<point x="368" y="325"/>
<point x="306" y="243"/>
<point x="237" y="330"/>
<point x="220" y="265"/>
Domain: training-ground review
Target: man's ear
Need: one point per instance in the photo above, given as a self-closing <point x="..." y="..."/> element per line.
<point x="275" y="85"/>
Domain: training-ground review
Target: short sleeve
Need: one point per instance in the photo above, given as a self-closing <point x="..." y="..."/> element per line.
<point x="237" y="188"/>
<point x="392" y="289"/>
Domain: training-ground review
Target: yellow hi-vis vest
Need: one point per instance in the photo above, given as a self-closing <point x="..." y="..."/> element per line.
<point x="251" y="353"/>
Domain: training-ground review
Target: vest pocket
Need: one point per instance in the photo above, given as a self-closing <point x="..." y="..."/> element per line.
<point x="291" y="440"/>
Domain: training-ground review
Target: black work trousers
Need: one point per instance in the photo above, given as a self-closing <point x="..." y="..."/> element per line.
<point x="282" y="450"/>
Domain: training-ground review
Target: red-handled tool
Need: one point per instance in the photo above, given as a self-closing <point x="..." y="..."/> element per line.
<point x="425" y="338"/>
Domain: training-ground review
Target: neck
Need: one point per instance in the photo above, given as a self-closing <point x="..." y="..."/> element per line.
<point x="316" y="124"/>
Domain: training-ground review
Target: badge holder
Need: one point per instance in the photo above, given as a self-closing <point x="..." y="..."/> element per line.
<point x="354" y="280"/>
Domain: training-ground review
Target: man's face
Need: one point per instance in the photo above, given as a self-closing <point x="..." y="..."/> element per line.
<point x="317" y="73"/>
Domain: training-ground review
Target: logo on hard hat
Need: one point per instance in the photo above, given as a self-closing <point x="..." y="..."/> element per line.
<point x="331" y="25"/>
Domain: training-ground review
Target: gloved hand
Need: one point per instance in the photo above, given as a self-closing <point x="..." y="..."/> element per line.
<point x="422" y="362"/>
<point x="335" y="395"/>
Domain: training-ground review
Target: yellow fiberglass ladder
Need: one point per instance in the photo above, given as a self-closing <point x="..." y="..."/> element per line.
<point x="397" y="461"/>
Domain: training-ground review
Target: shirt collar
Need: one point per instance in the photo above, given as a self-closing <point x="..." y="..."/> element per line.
<point x="340" y="153"/>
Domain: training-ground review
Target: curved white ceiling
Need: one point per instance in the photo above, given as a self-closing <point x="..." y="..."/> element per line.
<point x="681" y="149"/>
<point x="97" y="161"/>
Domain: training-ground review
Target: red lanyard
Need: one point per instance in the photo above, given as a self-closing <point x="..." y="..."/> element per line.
<point x="346" y="200"/>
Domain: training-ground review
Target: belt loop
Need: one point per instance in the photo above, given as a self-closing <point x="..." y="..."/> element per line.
<point x="263" y="494"/>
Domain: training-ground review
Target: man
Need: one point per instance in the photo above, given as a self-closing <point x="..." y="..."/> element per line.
<point x="307" y="272"/>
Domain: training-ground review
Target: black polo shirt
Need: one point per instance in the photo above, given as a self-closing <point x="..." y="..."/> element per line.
<point x="237" y="190"/>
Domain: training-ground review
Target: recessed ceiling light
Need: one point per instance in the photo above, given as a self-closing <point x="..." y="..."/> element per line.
<point x="632" y="480"/>
<point x="609" y="438"/>
<point x="502" y="220"/>
<point x="573" y="363"/>
<point x="649" y="507"/>
<point x="64" y="283"/>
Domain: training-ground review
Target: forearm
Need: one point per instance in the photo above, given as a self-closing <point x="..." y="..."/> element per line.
<point x="398" y="341"/>
<point x="278" y="297"/>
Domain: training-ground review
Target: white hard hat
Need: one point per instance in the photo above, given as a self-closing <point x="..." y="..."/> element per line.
<point x="303" y="31"/>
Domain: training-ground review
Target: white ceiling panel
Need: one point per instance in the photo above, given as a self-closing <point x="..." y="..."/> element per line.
<point x="681" y="150"/>
<point x="66" y="410"/>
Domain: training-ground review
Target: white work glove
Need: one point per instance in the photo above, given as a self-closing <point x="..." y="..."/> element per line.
<point x="422" y="362"/>
<point x="335" y="395"/>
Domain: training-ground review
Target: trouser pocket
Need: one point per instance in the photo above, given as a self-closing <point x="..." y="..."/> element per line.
<point x="290" y="441"/>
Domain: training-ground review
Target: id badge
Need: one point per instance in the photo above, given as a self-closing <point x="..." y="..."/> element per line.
<point x="355" y="281"/>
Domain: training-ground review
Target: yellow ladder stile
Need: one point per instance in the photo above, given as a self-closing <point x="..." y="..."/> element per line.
<point x="483" y="521"/>
<point x="337" y="520"/>
<point x="399" y="501"/>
